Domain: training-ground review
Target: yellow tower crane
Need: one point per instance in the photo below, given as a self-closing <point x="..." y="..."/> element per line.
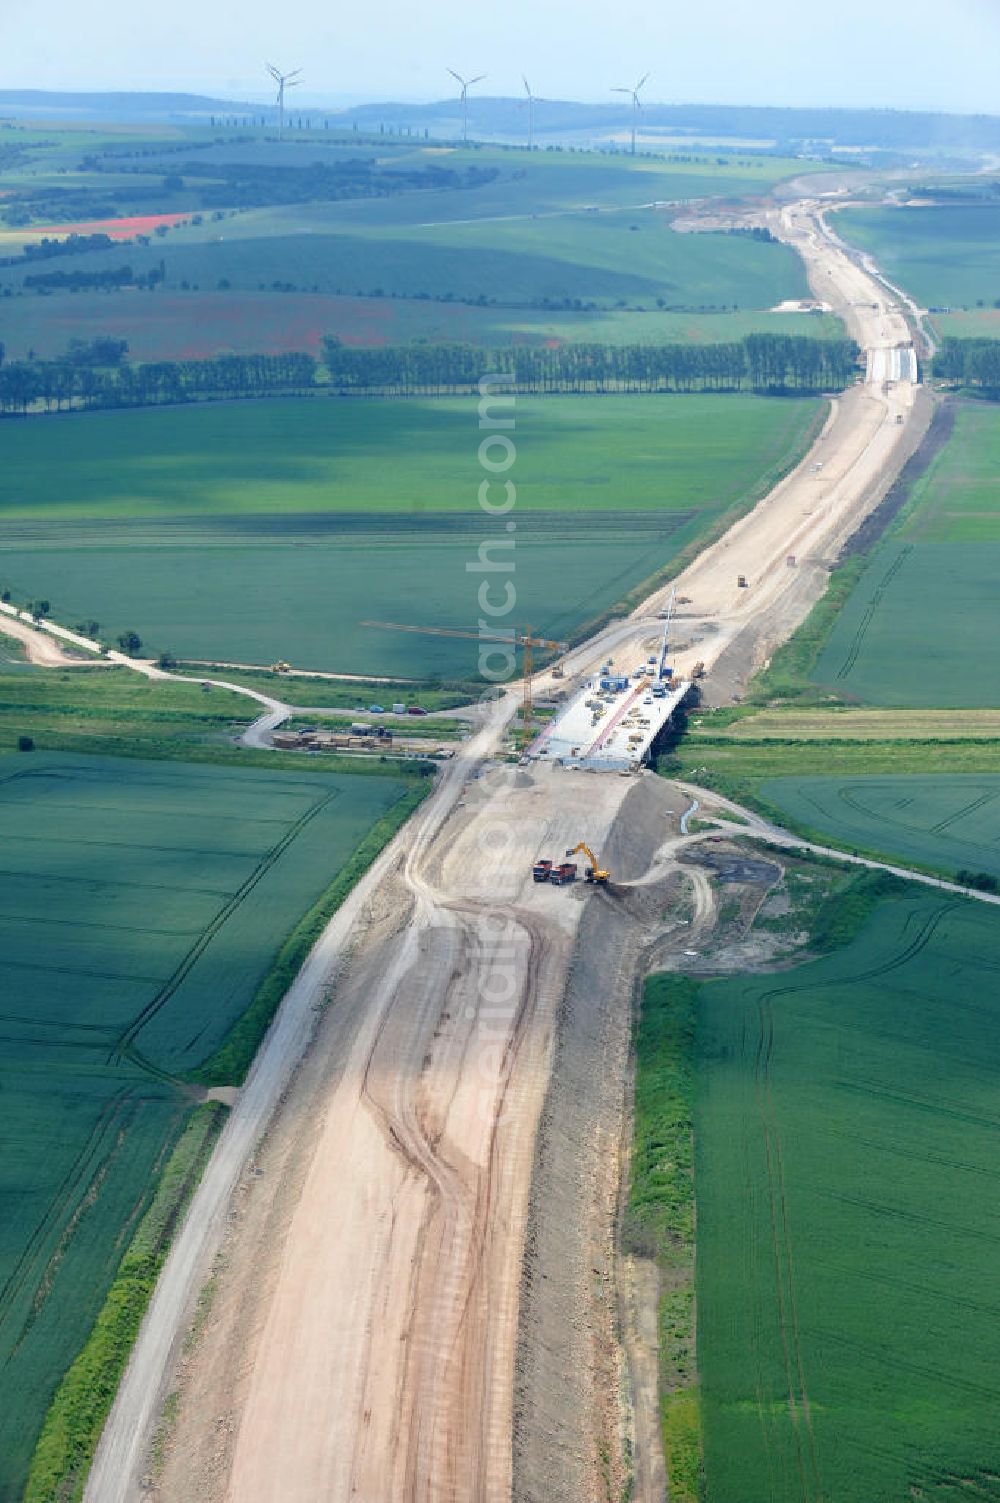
<point x="595" y="873"/>
<point x="524" y="640"/>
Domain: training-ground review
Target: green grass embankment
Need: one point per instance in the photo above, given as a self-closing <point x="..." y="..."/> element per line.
<point x="659" y="1219"/>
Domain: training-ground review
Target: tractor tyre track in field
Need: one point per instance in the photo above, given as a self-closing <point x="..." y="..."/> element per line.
<point x="781" y="1250"/>
<point x="85" y="1169"/>
<point x="857" y="641"/>
<point x="124" y="1044"/>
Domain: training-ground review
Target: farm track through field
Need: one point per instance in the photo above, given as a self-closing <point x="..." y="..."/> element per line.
<point x="391" y="1289"/>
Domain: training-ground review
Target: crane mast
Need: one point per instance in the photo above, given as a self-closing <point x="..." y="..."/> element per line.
<point x="525" y="640"/>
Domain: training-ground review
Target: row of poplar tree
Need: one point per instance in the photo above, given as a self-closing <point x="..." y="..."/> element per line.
<point x="760" y="362"/>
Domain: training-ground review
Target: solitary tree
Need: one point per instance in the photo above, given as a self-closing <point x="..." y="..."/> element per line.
<point x="130" y="642"/>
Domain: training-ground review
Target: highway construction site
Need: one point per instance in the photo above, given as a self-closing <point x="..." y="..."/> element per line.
<point x="399" y="1278"/>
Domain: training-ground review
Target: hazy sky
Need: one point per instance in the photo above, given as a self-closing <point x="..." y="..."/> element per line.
<point x="898" y="53"/>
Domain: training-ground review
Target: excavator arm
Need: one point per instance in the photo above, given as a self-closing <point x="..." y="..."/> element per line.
<point x="596" y="873"/>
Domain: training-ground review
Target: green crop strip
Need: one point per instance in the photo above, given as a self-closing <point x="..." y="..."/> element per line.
<point x="83" y="1399"/>
<point x="659" y="1220"/>
<point x="845" y="1126"/>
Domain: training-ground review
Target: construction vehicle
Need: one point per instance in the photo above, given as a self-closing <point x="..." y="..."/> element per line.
<point x="698" y="671"/>
<point x="564" y="873"/>
<point x="741" y="581"/>
<point x="542" y="870"/>
<point x="594" y="873"/>
<point x="281" y="667"/>
<point x="558" y="672"/>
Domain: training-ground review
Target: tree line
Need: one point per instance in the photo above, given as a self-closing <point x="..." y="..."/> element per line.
<point x="759" y="362"/>
<point x="96" y="373"/>
<point x="973" y="362"/>
<point x="262" y="184"/>
<point x="70" y="382"/>
<point x="78" y="281"/>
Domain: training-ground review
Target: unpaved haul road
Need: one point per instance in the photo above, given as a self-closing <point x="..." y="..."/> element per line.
<point x="380" y="1362"/>
<point x="749" y="825"/>
<point x="41" y="647"/>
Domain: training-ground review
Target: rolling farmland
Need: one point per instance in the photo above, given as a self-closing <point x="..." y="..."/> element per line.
<point x="554" y="246"/>
<point x="977" y="323"/>
<point x="945" y="256"/>
<point x="913" y="630"/>
<point x="848" y="1236"/>
<point x="948" y="821"/>
<point x="330" y="512"/>
<point x="293" y="456"/>
<point x="141" y="904"/>
<point x="195" y="325"/>
<point x="597" y="259"/>
<point x="206" y="602"/>
<point x="840" y="724"/>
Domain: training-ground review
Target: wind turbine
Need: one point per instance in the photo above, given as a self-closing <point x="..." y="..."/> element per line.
<point x="284" y="81"/>
<point x="531" y="113"/>
<point x="466" y="86"/>
<point x="635" y="104"/>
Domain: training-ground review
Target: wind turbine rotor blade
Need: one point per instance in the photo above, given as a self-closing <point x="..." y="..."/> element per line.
<point x="641" y="82"/>
<point x="457" y="76"/>
<point x="478" y="79"/>
<point x="527" y="86"/>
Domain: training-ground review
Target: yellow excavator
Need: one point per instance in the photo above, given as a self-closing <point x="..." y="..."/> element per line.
<point x="594" y="873"/>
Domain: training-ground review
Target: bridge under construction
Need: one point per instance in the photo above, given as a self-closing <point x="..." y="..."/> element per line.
<point x="612" y="724"/>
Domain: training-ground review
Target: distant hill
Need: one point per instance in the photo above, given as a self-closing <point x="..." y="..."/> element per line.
<point x="52" y="105"/>
<point x="792" y="129"/>
<point x="787" y="130"/>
